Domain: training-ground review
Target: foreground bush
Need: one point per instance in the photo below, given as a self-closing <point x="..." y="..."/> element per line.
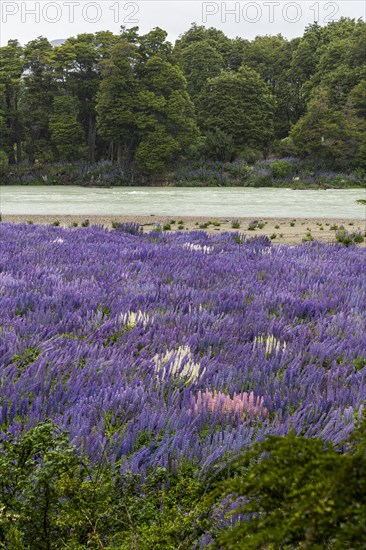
<point x="292" y="492"/>
<point x="299" y="493"/>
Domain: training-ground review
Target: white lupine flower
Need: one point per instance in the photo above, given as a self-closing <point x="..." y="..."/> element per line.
<point x="199" y="308"/>
<point x="190" y="370"/>
<point x="198" y="248"/>
<point x="131" y="318"/>
<point x="271" y="343"/>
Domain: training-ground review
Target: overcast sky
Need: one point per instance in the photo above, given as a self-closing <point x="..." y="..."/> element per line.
<point x="55" y="19"/>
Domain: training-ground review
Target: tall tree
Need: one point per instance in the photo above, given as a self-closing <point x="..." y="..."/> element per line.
<point x="79" y="66"/>
<point x="200" y="61"/>
<point x="323" y="133"/>
<point x="143" y="108"/>
<point x="166" y="118"/>
<point x="247" y="116"/>
<point x="66" y="131"/>
<point x="271" y="57"/>
<point x="116" y="102"/>
<point x="37" y="98"/>
<point x="11" y="69"/>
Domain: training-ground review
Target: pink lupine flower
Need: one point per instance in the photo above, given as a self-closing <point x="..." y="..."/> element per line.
<point x="243" y="404"/>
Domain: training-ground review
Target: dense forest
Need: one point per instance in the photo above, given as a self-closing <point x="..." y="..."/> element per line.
<point x="134" y="108"/>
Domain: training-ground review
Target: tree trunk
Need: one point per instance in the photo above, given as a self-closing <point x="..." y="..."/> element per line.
<point x="119" y="154"/>
<point x="19" y="151"/>
<point x="31" y="158"/>
<point x="92" y="134"/>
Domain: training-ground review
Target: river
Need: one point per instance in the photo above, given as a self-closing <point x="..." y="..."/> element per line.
<point x="177" y="201"/>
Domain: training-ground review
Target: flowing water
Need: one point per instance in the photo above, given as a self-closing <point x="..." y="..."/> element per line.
<point x="176" y="201"/>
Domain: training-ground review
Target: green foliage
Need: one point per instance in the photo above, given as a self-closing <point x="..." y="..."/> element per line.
<point x="4" y="161"/>
<point x="252" y="226"/>
<point x="346" y="238"/>
<point x="219" y="146"/>
<point x="30" y="469"/>
<point x="200" y="61"/>
<point x="285" y="147"/>
<point x="137" y="101"/>
<point x="52" y="498"/>
<point x="281" y="168"/>
<point x="290" y="492"/>
<point x="324" y="133"/>
<point x="37" y="99"/>
<point x="143" y="108"/>
<point x="28" y="357"/>
<point x="247" y="117"/>
<point x="299" y="493"/>
<point x="66" y="131"/>
<point x="11" y="124"/>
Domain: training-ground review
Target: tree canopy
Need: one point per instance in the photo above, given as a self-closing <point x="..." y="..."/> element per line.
<point x="145" y="104"/>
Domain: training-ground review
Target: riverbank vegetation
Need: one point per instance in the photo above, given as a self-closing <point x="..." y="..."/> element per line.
<point x="105" y="109"/>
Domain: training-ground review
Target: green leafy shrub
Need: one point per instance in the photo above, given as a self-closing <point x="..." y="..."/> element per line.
<point x="297" y="492"/>
<point x="252" y="226"/>
<point x="345" y="238"/>
<point x="251" y="155"/>
<point x="51" y="497"/>
<point x="281" y="169"/>
<point x="235" y="224"/>
<point x="309" y="237"/>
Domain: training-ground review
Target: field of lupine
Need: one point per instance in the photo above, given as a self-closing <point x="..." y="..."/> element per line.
<point x="156" y="348"/>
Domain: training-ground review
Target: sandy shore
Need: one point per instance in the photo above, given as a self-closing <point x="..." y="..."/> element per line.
<point x="280" y="230"/>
